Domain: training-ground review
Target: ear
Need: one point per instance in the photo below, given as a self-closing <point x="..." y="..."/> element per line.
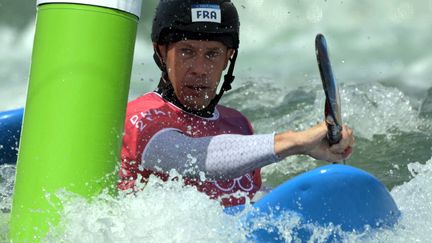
<point x="230" y="52"/>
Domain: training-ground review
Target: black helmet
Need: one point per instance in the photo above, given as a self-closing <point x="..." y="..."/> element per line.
<point x="198" y="20"/>
<point x="215" y="20"/>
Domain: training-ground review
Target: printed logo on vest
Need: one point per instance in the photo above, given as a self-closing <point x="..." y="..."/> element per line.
<point x="206" y="13"/>
<point x="243" y="183"/>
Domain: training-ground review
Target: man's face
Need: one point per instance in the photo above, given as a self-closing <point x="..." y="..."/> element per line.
<point x="195" y="68"/>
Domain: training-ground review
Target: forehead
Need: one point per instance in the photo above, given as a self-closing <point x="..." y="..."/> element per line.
<point x="198" y="44"/>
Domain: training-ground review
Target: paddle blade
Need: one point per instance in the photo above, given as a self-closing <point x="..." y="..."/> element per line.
<point x="332" y="109"/>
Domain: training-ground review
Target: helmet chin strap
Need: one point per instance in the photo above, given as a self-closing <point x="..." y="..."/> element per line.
<point x="166" y="90"/>
<point x="226" y="85"/>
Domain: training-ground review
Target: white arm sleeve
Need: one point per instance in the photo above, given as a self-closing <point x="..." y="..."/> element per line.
<point x="219" y="157"/>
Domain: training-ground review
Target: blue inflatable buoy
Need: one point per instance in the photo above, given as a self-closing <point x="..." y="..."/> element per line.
<point x="10" y="130"/>
<point x="334" y="194"/>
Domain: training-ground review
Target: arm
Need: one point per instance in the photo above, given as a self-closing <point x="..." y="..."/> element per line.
<point x="219" y="157"/>
<point x="313" y="142"/>
<point x="230" y="156"/>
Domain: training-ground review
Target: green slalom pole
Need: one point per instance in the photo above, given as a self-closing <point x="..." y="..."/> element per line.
<point x="76" y="100"/>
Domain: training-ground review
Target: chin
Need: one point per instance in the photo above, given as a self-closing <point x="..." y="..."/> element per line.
<point x="197" y="107"/>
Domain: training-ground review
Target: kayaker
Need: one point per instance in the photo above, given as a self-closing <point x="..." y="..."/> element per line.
<point x="180" y="126"/>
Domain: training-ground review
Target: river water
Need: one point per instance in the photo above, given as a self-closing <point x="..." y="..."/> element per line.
<point x="381" y="56"/>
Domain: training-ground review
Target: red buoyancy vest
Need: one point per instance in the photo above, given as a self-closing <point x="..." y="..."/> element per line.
<point x="150" y="113"/>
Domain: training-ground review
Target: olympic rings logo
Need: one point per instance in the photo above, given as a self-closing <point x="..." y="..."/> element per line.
<point x="245" y="183"/>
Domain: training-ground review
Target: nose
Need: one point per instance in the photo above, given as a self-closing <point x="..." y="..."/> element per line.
<point x="200" y="66"/>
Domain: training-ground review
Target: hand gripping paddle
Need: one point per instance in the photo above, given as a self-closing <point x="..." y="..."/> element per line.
<point x="332" y="109"/>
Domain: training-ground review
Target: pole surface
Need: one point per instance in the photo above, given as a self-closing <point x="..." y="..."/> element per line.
<point x="74" y="114"/>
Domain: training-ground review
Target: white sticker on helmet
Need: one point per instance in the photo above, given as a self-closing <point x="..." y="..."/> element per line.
<point x="206" y="13"/>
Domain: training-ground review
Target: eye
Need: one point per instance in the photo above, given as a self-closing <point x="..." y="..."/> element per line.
<point x="186" y="52"/>
<point x="213" y="54"/>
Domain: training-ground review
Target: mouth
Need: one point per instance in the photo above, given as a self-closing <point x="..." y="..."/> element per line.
<point x="197" y="87"/>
